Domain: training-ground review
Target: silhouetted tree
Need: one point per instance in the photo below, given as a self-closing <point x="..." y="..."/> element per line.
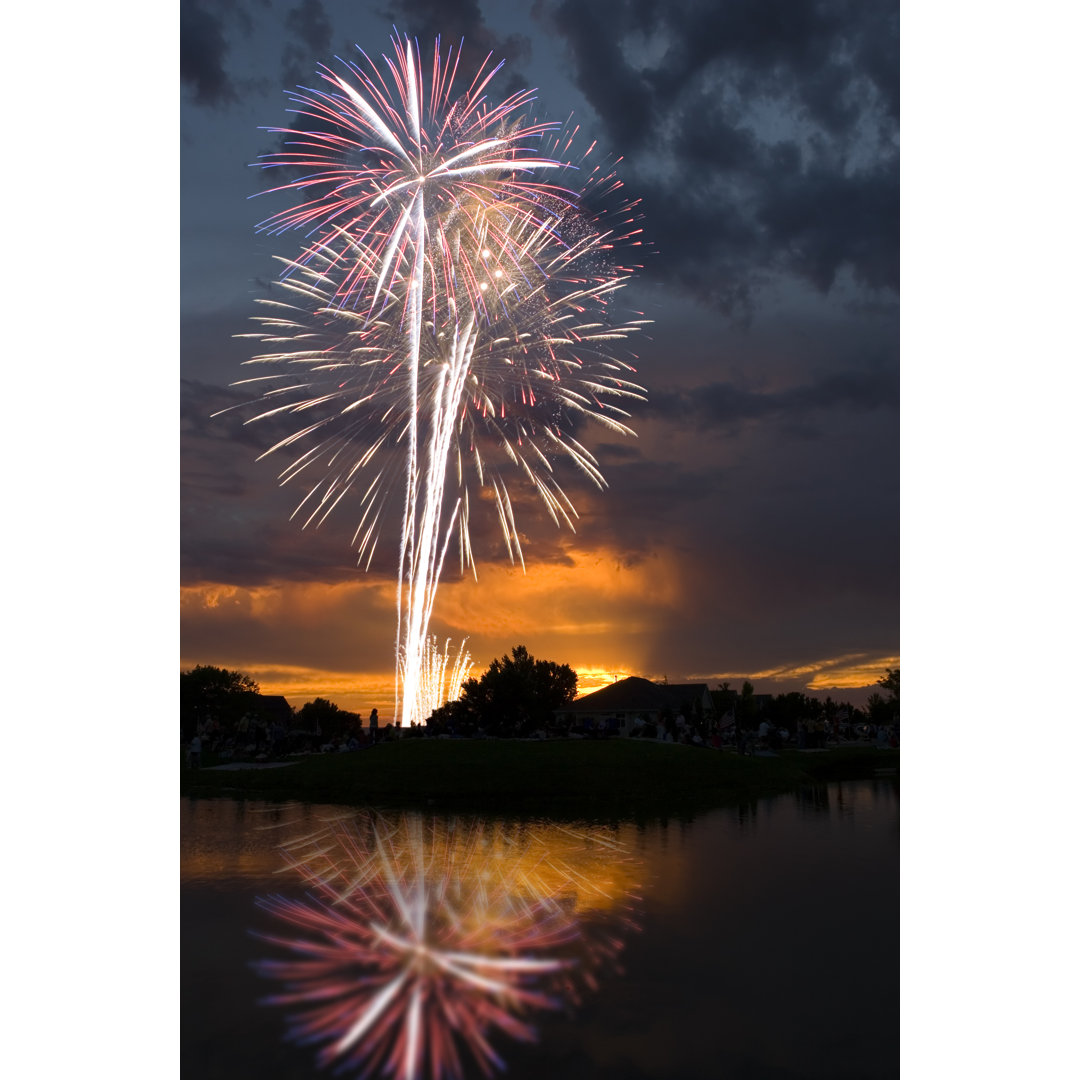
<point x="878" y="710"/>
<point x="890" y="682"/>
<point x="452" y="718"/>
<point x="327" y="719"/>
<point x="517" y="693"/>
<point x="208" y="692"/>
<point x="885" y="710"/>
<point x="786" y="710"/>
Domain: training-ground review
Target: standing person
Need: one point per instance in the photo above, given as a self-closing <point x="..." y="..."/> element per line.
<point x="196" y="751"/>
<point x="373" y="725"/>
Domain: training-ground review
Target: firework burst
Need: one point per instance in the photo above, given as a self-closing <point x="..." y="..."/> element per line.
<point x="449" y="320"/>
<point x="422" y="940"/>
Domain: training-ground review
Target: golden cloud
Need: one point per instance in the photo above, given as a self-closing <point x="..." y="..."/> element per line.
<point x="847" y="672"/>
<point x="590" y="593"/>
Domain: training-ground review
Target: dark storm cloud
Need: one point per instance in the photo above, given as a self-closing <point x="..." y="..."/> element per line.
<point x="312" y="36"/>
<point x="771" y="520"/>
<point x="234" y="515"/>
<point x="460" y="22"/>
<point x="203" y="53"/>
<point x="203" y="414"/>
<point x="725" y="404"/>
<point x="811" y="53"/>
<point x="611" y="86"/>
<point x="618" y="452"/>
<point x="762" y="135"/>
<point x="821" y="220"/>
<point x="213" y="37"/>
<point x="309" y="23"/>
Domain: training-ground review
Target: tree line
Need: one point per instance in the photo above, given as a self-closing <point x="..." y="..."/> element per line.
<point x="786" y="710"/>
<point x="516" y="696"/>
<point x="211" y="694"/>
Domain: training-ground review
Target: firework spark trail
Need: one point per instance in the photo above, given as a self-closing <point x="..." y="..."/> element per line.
<point x="440" y="681"/>
<point x="420" y="940"/>
<point x="448" y="302"/>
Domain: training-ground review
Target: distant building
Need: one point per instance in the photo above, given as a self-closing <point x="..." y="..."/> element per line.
<point x="269" y="707"/>
<point x="622" y="704"/>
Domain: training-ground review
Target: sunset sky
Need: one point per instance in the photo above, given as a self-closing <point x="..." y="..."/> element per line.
<point x="751" y="530"/>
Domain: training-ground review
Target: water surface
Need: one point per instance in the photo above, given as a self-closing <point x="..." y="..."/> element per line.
<point x="756" y="943"/>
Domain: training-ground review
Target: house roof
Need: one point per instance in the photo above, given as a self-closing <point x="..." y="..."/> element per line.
<point x="268" y="704"/>
<point x="643" y="695"/>
<point x="275" y="701"/>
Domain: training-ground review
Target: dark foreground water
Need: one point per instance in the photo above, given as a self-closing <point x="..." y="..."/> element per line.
<point x="757" y="943"/>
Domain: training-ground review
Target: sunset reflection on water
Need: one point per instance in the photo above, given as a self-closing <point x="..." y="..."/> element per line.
<point x="412" y="944"/>
<point x="776" y="914"/>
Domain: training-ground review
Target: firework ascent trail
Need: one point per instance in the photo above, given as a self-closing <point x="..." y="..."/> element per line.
<point x="448" y="319"/>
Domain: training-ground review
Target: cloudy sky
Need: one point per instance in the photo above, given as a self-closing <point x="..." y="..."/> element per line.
<point x="751" y="529"/>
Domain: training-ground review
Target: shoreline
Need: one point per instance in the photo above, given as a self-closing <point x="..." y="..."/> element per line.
<point x="621" y="777"/>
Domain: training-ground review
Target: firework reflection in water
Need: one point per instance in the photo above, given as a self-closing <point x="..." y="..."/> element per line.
<point x="419" y="940"/>
<point x="449" y="318"/>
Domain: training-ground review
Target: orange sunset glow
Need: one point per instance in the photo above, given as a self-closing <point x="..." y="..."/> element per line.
<point x="304" y="640"/>
<point x="837" y="673"/>
<point x="605" y="873"/>
<point x="589" y="610"/>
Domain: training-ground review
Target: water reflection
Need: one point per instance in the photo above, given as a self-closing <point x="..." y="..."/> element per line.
<point x="813" y="799"/>
<point x="418" y="942"/>
<point x="768" y="945"/>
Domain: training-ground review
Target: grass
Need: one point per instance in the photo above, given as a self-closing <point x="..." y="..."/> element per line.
<point x="615" y="776"/>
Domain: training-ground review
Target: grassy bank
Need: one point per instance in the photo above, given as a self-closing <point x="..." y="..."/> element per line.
<point x="616" y="776"/>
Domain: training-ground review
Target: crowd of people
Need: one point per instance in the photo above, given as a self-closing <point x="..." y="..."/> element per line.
<point x="749" y="739"/>
<point x="254" y="738"/>
<point x="820" y="734"/>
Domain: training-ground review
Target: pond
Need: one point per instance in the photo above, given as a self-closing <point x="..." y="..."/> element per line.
<point x="758" y="942"/>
